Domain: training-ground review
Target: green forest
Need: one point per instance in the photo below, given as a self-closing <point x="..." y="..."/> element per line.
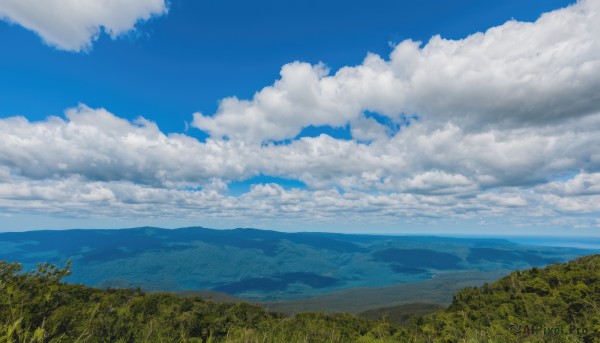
<point x="558" y="303"/>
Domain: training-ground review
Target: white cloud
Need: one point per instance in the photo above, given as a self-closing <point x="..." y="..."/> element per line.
<point x="574" y="205"/>
<point x="272" y="204"/>
<point x="582" y="184"/>
<point x="423" y="158"/>
<point x="514" y="75"/>
<point x="75" y="24"/>
<point x="503" y="116"/>
<point x="503" y="200"/>
<point x="302" y="97"/>
<point x="96" y="164"/>
<point x="99" y="146"/>
<point x="578" y="195"/>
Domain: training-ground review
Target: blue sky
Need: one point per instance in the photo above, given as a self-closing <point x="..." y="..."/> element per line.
<point x="301" y="115"/>
<point x="203" y="51"/>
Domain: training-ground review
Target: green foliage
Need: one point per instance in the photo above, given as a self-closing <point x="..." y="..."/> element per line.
<point x="560" y="303"/>
<point x="38" y="307"/>
<point x="401" y="314"/>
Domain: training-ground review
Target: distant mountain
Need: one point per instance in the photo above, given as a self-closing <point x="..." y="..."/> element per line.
<point x="263" y="265"/>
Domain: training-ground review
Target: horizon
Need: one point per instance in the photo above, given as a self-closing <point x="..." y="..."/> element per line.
<point x="443" y="234"/>
<point x="382" y="118"/>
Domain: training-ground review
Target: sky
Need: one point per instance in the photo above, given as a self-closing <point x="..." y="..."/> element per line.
<point x="432" y="117"/>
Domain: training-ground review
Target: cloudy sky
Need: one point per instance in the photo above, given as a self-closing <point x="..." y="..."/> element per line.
<point x="350" y="116"/>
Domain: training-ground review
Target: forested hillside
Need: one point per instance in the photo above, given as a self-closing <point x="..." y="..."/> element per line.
<point x="560" y="303"/>
<point x="271" y="266"/>
<point x="38" y="307"/>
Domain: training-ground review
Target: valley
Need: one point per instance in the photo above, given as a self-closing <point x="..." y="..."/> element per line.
<point x="285" y="272"/>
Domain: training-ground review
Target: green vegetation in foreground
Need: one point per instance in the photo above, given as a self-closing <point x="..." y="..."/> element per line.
<point x="401" y="314"/>
<point x="560" y="303"/>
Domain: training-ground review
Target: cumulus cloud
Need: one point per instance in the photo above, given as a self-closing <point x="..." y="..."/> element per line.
<point x="582" y="184"/>
<point x="74" y="197"/>
<point x="99" y="146"/>
<point x="501" y="126"/>
<point x="424" y="158"/>
<point x="577" y="195"/>
<point x="93" y="162"/>
<point x="75" y="24"/>
<point x="514" y="75"/>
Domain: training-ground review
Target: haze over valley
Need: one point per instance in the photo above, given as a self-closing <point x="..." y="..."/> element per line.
<point x="270" y="266"/>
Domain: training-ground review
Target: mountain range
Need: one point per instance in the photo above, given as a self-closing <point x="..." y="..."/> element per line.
<point x="280" y="269"/>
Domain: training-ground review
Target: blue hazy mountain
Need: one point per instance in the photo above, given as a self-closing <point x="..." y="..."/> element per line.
<point x="265" y="265"/>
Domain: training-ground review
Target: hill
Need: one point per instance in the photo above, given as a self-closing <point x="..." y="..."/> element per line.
<point x="559" y="303"/>
<point x="276" y="267"/>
